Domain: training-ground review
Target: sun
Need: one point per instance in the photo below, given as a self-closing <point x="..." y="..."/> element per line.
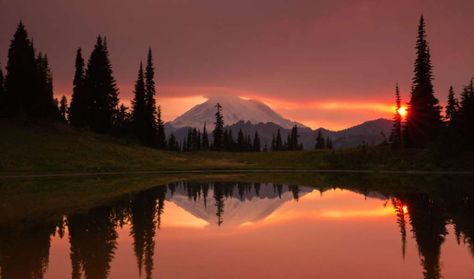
<point x="403" y="112"/>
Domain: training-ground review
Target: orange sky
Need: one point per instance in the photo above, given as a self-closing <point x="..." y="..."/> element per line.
<point x="322" y="63"/>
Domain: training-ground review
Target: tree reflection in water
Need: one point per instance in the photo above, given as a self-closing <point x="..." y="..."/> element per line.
<point x="24" y="247"/>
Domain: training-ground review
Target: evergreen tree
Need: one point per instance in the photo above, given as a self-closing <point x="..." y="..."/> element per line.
<point x="424" y="120"/>
<point x="396" y="134"/>
<point x="172" y="143"/>
<point x="63" y="109"/>
<point x="240" y="141"/>
<point x="124" y="121"/>
<point x="465" y="123"/>
<point x="2" y="93"/>
<point x="293" y="139"/>
<point x="219" y="129"/>
<point x="151" y="124"/>
<point x="101" y="85"/>
<point x="278" y="142"/>
<point x="21" y="74"/>
<point x="160" y="130"/>
<point x="320" y="141"/>
<point x="256" y="142"/>
<point x="43" y="105"/>
<point x="229" y="143"/>
<point x="139" y="109"/>
<point x="79" y="100"/>
<point x="205" y="138"/>
<point x="452" y="107"/>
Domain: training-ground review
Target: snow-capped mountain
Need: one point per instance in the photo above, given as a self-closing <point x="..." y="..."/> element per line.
<point x="235" y="109"/>
<point x="237" y="210"/>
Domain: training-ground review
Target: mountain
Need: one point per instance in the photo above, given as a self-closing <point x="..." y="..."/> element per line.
<point x="237" y="210"/>
<point x="252" y="116"/>
<point x="234" y="110"/>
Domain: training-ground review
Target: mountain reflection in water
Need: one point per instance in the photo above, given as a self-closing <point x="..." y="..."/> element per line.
<point x="278" y="214"/>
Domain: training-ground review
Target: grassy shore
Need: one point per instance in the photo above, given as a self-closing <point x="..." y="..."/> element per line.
<point x="56" y="148"/>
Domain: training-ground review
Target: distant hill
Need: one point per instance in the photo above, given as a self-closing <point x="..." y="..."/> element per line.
<point x="370" y="132"/>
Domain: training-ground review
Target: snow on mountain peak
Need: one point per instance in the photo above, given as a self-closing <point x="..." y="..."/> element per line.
<point x="234" y="109"/>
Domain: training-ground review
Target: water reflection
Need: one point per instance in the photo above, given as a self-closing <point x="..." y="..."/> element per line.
<point x="93" y="235"/>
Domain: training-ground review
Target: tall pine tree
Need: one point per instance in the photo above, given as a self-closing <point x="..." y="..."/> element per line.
<point x="2" y="94"/>
<point x="278" y="142"/>
<point x="43" y="105"/>
<point x="218" y="133"/>
<point x="79" y="100"/>
<point x="293" y="139"/>
<point x="151" y="124"/>
<point x="240" y="141"/>
<point x="320" y="141"/>
<point x="21" y="75"/>
<point x="256" y="142"/>
<point x="396" y="134"/>
<point x="423" y="119"/>
<point x="160" y="130"/>
<point x="139" y="113"/>
<point x="465" y="123"/>
<point x="452" y="106"/>
<point x="101" y="85"/>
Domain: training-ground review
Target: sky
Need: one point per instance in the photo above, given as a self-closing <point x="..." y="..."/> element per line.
<point x="330" y="63"/>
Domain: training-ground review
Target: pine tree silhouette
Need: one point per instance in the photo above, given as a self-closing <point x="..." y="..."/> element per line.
<point x="2" y="94"/>
<point x="465" y="125"/>
<point x="293" y="139"/>
<point x="21" y="75"/>
<point x="101" y="86"/>
<point x="172" y="143"/>
<point x="320" y="141"/>
<point x="139" y="113"/>
<point x="278" y="142"/>
<point x="80" y="100"/>
<point x="240" y="141"/>
<point x="218" y="132"/>
<point x="43" y="105"/>
<point x="452" y="106"/>
<point x="423" y="118"/>
<point x="160" y="130"/>
<point x="151" y="111"/>
<point x="256" y="142"/>
<point x="396" y="134"/>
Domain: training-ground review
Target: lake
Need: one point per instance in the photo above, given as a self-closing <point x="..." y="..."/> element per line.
<point x="245" y="229"/>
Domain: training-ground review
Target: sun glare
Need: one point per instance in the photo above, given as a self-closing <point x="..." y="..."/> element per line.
<point x="403" y="112"/>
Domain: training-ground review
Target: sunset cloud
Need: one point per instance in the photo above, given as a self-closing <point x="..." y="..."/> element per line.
<point x="322" y="63"/>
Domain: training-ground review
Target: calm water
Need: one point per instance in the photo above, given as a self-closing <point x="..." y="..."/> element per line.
<point x="250" y="230"/>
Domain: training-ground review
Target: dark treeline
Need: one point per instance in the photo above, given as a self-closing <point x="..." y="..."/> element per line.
<point x="424" y="125"/>
<point x="93" y="236"/>
<point x="224" y="139"/>
<point x="26" y="92"/>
